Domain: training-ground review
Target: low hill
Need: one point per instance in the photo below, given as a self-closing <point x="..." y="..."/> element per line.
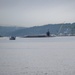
<point x="36" y="30"/>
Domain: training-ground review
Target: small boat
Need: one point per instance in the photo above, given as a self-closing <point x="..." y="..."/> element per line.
<point x="12" y="38"/>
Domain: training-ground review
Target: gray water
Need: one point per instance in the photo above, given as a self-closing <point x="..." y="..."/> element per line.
<point x="37" y="56"/>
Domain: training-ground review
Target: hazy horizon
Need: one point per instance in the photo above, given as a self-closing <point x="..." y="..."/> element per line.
<point x="34" y="25"/>
<point x="28" y="13"/>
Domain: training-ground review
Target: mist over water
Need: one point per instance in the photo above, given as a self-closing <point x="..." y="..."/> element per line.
<point x="37" y="56"/>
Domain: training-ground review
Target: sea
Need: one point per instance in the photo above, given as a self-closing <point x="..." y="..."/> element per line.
<point x="37" y="56"/>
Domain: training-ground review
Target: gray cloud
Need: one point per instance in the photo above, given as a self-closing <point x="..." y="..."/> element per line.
<point x="36" y="12"/>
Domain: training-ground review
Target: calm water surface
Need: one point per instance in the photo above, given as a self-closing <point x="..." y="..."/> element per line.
<point x="37" y="56"/>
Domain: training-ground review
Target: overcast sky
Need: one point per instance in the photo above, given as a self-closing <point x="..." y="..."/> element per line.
<point x="36" y="12"/>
